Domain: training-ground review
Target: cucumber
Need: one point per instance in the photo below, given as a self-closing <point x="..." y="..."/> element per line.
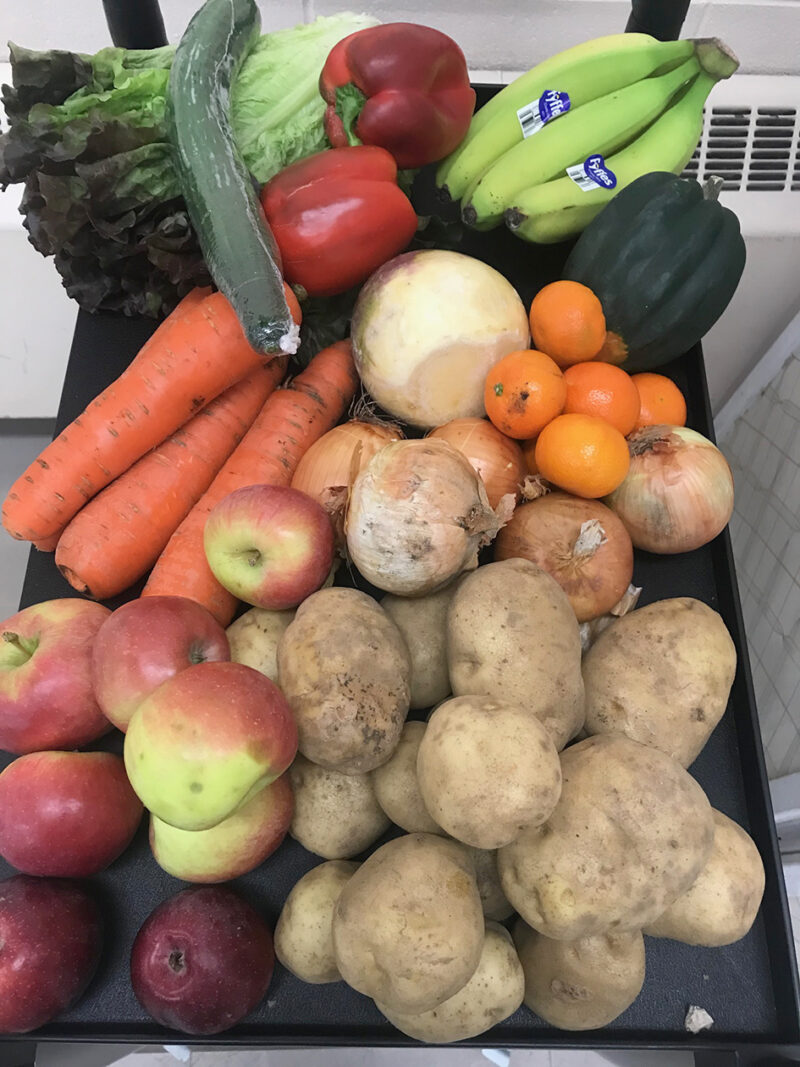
<point x="220" y="195"/>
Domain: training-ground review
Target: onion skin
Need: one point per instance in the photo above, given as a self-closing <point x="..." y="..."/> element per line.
<point x="496" y="458"/>
<point x="332" y="463"/>
<point x="417" y="515"/>
<point x="545" y="532"/>
<point x="678" y="493"/>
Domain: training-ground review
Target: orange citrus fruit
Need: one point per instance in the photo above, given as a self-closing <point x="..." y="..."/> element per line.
<point x="523" y="392"/>
<point x="583" y="455"/>
<point x="605" y="391"/>
<point x="567" y="322"/>
<point x="661" y="401"/>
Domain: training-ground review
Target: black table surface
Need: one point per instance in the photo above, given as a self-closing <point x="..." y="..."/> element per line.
<point x="749" y="988"/>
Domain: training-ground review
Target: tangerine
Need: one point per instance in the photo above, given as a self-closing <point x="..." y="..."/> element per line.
<point x="567" y="322"/>
<point x="523" y="392"/>
<point x="583" y="455"/>
<point x="605" y="391"/>
<point x="661" y="401"/>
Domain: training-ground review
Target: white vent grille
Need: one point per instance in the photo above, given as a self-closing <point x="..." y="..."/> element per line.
<point x="751" y="139"/>
<point x="753" y="149"/>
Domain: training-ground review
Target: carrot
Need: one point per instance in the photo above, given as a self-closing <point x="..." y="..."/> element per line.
<point x="288" y="424"/>
<point x="48" y="544"/>
<point x="120" y="534"/>
<point x="195" y="354"/>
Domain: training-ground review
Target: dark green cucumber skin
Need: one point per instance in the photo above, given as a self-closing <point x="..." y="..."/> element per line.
<point x="664" y="263"/>
<point x="238" y="246"/>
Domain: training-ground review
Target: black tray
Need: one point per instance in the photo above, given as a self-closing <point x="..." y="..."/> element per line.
<point x="750" y="988"/>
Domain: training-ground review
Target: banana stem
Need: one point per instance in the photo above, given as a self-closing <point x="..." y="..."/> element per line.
<point x="715" y="57"/>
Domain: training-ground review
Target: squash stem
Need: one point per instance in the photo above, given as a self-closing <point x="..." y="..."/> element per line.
<point x="712" y="187"/>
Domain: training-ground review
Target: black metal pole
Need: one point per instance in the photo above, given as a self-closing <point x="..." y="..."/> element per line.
<point x="662" y="19"/>
<point x="135" y="23"/>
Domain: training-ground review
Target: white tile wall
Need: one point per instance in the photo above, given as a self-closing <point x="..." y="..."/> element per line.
<point x="763" y="449"/>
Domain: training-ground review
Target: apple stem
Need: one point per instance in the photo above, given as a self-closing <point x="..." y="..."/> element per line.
<point x="27" y="646"/>
<point x="176" y="961"/>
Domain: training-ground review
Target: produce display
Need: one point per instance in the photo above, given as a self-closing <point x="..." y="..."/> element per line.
<point x="389" y="608"/>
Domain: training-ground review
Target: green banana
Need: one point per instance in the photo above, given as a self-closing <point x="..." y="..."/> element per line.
<point x="605" y="125"/>
<point x="560" y="209"/>
<point x="585" y="72"/>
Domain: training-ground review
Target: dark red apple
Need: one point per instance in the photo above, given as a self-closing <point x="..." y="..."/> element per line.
<point x="50" y="940"/>
<point x="269" y="545"/>
<point x="66" y="814"/>
<point x="46" y="695"/>
<point x="202" y="960"/>
<point x="146" y="642"/>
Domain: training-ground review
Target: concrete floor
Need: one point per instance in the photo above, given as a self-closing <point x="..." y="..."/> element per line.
<point x="69" y="1056"/>
<point x="16" y="452"/>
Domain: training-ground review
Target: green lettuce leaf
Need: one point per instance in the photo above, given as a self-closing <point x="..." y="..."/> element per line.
<point x="88" y="139"/>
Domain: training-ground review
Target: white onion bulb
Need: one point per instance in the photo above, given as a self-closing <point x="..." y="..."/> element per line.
<point x="678" y="493"/>
<point x="417" y="515"/>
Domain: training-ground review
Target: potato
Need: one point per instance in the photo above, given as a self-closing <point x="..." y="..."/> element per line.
<point x="335" y="815"/>
<point x="492" y="994"/>
<point x="493" y="899"/>
<point x="721" y="905"/>
<point x="345" y="670"/>
<point x="487" y="770"/>
<point x="303" y="939"/>
<point x="254" y="638"/>
<point x="629" y="835"/>
<point x="512" y="635"/>
<point x="662" y="675"/>
<point x="396" y="787"/>
<point x="580" y="985"/>
<point x="423" y="623"/>
<point x="408" y="926"/>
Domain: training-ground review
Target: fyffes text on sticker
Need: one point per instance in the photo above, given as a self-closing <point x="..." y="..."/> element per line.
<point x="593" y="173"/>
<point x="535" y="115"/>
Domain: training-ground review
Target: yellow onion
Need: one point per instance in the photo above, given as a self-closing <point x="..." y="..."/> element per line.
<point x="417" y="515"/>
<point x="497" y="459"/>
<point x="581" y="543"/>
<point x="678" y="493"/>
<point x="330" y="466"/>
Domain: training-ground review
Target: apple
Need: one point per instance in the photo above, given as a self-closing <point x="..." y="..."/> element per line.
<point x="144" y="643"/>
<point x="269" y="545"/>
<point x="202" y="960"/>
<point x="234" y="846"/>
<point x="206" y="741"/>
<point x="46" y="695"/>
<point x="66" y="814"/>
<point x="50" y="940"/>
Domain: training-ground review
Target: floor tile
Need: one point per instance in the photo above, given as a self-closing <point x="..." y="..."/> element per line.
<point x="15" y="455"/>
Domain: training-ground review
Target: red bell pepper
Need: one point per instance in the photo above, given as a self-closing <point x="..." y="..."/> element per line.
<point x="401" y="86"/>
<point x="337" y="216"/>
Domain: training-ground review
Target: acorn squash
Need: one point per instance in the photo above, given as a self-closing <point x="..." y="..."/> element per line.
<point x="664" y="257"/>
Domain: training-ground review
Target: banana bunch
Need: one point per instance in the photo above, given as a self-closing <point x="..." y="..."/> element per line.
<point x="547" y="152"/>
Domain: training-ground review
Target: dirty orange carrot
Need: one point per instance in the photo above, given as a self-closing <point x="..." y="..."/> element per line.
<point x="120" y="534"/>
<point x="288" y="424"/>
<point x="194" y="355"/>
